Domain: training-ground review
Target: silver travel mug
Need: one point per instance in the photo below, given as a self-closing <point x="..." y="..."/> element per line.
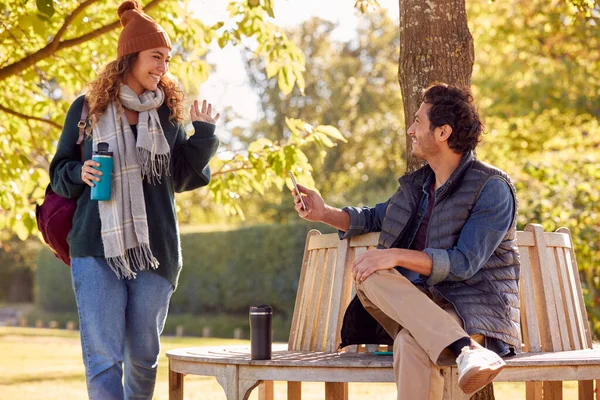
<point x="260" y="332"/>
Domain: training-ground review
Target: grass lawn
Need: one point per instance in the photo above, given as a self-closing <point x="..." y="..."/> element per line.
<point x="46" y="364"/>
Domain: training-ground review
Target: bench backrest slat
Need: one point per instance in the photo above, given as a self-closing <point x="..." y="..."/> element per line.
<point x="566" y="287"/>
<point x="529" y="320"/>
<point x="581" y="326"/>
<point x="326" y="298"/>
<point x="553" y="315"/>
<point x="544" y="294"/>
<point x="338" y="297"/>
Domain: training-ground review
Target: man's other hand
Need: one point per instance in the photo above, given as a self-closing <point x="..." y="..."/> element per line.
<point x="314" y="203"/>
<point x="373" y="260"/>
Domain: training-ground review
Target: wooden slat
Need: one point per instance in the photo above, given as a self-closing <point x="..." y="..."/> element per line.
<point x="175" y="385"/>
<point x="582" y="313"/>
<point x="371" y="348"/>
<point x="586" y="390"/>
<point x="579" y="313"/>
<point x="559" y="305"/>
<point x="304" y="329"/>
<point x="294" y="391"/>
<point x="325" y="298"/>
<point x="327" y="241"/>
<point x="558" y="239"/>
<point x="347" y="292"/>
<point x="300" y="317"/>
<point x="526" y="239"/>
<point x="334" y="324"/>
<point x="312" y="302"/>
<point x="544" y="295"/>
<point x="553" y="390"/>
<point x="336" y="390"/>
<point x="353" y="348"/>
<point x="568" y="298"/>
<point x="293" y="338"/>
<point x="266" y="390"/>
<point x="529" y="320"/>
<point x="368" y="240"/>
<point x="533" y="390"/>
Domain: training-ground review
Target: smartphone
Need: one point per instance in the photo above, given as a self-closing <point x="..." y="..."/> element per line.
<point x="298" y="190"/>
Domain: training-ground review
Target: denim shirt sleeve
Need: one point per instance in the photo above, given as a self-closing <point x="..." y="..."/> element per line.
<point x="364" y="219"/>
<point x="490" y="219"/>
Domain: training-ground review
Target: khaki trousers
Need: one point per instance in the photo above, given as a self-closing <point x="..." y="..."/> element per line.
<point x="421" y="328"/>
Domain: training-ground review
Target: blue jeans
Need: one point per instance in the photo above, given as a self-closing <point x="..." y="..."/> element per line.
<point x="120" y="322"/>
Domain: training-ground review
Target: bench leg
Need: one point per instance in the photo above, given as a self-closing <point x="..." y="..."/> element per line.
<point x="553" y="390"/>
<point x="451" y="389"/>
<point x="533" y="390"/>
<point x="175" y="385"/>
<point x="336" y="390"/>
<point x="265" y="390"/>
<point x="586" y="390"/>
<point x="234" y="387"/>
<point x="245" y="387"/>
<point x="294" y="390"/>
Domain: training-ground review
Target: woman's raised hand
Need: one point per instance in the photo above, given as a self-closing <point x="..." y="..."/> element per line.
<point x="203" y="114"/>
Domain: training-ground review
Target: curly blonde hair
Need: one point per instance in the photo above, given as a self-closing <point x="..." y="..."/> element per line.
<point x="105" y="88"/>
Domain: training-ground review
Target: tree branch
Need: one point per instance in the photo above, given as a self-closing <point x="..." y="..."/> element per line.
<point x="61" y="31"/>
<point x="221" y="172"/>
<point x="29" y="117"/>
<point x="56" y="45"/>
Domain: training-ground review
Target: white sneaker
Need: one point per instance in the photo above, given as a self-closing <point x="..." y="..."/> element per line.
<point x="477" y="366"/>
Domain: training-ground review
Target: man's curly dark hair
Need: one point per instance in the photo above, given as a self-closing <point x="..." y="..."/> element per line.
<point x="453" y="105"/>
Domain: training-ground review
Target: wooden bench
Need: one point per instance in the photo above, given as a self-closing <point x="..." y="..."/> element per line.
<point x="557" y="344"/>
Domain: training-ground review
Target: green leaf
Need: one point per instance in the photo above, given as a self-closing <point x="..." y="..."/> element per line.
<point x="217" y="26"/>
<point x="323" y="139"/>
<point x="20" y="230"/>
<point x="259" y="145"/>
<point x="272" y="69"/>
<point x="331" y="131"/>
<point x="268" y="6"/>
<point x="223" y="40"/>
<point x="45" y="7"/>
<point x="284" y="80"/>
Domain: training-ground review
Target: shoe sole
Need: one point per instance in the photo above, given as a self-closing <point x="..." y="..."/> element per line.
<point x="476" y="379"/>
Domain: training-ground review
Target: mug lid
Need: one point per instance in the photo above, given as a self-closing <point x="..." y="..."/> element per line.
<point x="103" y="150"/>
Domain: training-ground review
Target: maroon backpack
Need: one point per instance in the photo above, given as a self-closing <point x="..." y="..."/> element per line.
<point x="55" y="215"/>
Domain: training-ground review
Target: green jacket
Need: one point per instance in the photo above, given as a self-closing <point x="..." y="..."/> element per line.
<point x="189" y="170"/>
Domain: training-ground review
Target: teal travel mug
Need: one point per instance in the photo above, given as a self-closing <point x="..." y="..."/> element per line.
<point x="101" y="190"/>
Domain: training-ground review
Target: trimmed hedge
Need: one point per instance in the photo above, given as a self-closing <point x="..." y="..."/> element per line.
<point x="52" y="285"/>
<point x="224" y="273"/>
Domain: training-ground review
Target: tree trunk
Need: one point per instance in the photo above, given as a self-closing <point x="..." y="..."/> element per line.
<point x="435" y="45"/>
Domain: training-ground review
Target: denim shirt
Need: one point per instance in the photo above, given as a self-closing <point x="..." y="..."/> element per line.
<point x="490" y="218"/>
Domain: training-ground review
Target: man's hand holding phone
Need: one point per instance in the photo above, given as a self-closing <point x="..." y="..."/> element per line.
<point x="308" y="203"/>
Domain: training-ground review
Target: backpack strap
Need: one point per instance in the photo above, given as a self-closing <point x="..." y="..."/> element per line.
<point x="82" y="121"/>
<point x="81" y="125"/>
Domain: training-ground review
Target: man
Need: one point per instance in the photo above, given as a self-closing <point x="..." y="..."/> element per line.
<point x="444" y="278"/>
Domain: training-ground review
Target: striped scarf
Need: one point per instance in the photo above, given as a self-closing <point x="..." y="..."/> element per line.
<point x="123" y="218"/>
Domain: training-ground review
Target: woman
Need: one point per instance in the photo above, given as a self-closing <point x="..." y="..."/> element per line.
<point x="125" y="252"/>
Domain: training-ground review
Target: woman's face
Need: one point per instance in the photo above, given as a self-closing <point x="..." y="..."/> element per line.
<point x="148" y="68"/>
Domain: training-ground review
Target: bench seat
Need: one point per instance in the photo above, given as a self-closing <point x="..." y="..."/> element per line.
<point x="557" y="344"/>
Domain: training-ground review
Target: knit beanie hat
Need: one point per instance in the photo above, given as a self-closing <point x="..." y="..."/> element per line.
<point x="140" y="32"/>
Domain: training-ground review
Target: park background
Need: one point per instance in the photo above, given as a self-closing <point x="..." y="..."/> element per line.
<point x="305" y="86"/>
